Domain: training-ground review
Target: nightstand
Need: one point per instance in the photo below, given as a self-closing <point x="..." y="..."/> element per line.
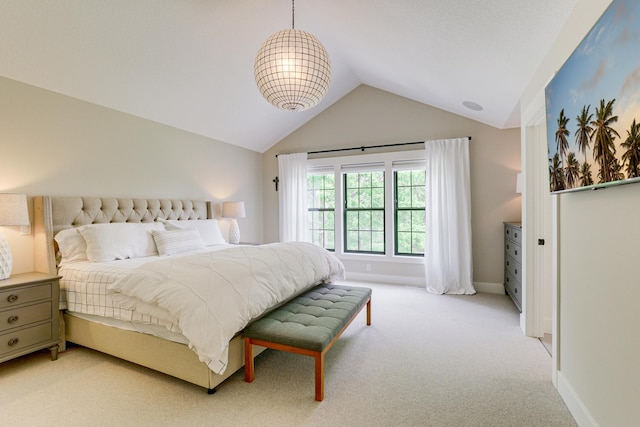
<point x="29" y="315"/>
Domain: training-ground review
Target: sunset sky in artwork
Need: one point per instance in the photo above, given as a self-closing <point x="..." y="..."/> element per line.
<point x="606" y="65"/>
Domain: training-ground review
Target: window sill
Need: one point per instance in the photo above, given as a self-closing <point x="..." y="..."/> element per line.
<point x="381" y="258"/>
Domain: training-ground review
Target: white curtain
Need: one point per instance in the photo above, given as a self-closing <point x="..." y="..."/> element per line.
<point x="448" y="264"/>
<point x="292" y="171"/>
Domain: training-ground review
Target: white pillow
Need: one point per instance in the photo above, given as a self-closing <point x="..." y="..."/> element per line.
<point x="71" y="245"/>
<point x="119" y="240"/>
<point x="208" y="228"/>
<point x="172" y="242"/>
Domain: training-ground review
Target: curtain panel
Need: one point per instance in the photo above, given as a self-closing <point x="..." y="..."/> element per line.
<point x="448" y="262"/>
<point x="292" y="171"/>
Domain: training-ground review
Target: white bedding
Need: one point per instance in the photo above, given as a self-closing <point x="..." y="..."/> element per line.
<point x="83" y="289"/>
<point x="209" y="296"/>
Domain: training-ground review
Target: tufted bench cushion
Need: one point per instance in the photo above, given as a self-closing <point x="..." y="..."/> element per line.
<point x="308" y="324"/>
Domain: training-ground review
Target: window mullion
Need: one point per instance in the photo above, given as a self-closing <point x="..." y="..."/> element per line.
<point x="389" y="218"/>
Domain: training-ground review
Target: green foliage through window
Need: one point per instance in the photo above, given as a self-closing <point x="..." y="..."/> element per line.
<point x="364" y="212"/>
<point x="409" y="212"/>
<point x="321" y="199"/>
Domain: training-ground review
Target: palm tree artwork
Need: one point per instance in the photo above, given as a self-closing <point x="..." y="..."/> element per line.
<point x="604" y="148"/>
<point x="592" y="106"/>
<point x="631" y="157"/>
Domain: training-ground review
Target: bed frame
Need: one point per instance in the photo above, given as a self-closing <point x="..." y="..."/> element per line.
<point x="53" y="213"/>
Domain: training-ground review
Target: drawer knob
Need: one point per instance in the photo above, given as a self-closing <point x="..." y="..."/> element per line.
<point x="12" y="319"/>
<point x="516" y="270"/>
<point x="516" y="235"/>
<point x="516" y="252"/>
<point x="13" y="341"/>
<point x="12" y="298"/>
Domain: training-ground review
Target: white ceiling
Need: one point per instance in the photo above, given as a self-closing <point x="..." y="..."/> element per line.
<point x="189" y="63"/>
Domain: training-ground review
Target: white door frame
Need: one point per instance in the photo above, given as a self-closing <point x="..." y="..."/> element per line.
<point x="539" y="218"/>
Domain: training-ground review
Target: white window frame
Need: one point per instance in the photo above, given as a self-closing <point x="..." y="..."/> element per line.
<point x="396" y="160"/>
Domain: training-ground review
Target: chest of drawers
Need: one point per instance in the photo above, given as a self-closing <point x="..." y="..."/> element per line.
<point x="513" y="262"/>
<point x="29" y="315"/>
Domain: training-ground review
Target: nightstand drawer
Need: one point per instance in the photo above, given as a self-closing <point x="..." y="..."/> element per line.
<point x="12" y="318"/>
<point x="24" y="295"/>
<point x="14" y="341"/>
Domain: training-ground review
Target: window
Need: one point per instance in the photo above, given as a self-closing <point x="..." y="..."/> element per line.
<point x="369" y="204"/>
<point x="321" y="197"/>
<point x="364" y="208"/>
<point x="409" y="212"/>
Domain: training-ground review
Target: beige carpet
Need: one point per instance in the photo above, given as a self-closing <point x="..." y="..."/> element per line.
<point x="426" y="360"/>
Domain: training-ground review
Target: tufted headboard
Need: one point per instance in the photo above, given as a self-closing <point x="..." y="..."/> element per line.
<point x="55" y="213"/>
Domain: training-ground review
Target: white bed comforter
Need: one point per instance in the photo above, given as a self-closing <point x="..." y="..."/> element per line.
<point x="211" y="296"/>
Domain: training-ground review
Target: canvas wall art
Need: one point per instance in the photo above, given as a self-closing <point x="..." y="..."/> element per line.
<point x="593" y="106"/>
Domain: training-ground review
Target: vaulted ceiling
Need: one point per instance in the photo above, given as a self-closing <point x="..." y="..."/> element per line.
<point x="189" y="63"/>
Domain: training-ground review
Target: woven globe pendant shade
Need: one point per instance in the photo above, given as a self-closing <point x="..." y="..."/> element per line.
<point x="292" y="70"/>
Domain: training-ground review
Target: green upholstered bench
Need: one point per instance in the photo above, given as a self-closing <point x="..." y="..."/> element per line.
<point x="308" y="325"/>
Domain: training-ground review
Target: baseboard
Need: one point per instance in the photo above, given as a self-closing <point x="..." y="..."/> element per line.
<point x="381" y="278"/>
<point x="575" y="405"/>
<point x="489" y="288"/>
<point x="481" y="287"/>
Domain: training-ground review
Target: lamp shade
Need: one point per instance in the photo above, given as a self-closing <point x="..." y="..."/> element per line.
<point x="233" y="210"/>
<point x="13" y="209"/>
<point x="292" y="70"/>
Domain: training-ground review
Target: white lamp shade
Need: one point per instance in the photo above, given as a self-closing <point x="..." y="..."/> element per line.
<point x="519" y="183"/>
<point x="292" y="70"/>
<point x="233" y="210"/>
<point x="13" y="209"/>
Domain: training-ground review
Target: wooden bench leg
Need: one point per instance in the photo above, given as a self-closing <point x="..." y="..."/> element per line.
<point x="369" y="312"/>
<point x="319" y="376"/>
<point x="249" y="369"/>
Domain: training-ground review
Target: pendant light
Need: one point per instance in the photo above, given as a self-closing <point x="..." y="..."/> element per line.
<point x="292" y="69"/>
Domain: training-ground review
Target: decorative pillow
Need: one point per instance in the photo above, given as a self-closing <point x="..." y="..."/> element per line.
<point x="71" y="245"/>
<point x="119" y="240"/>
<point x="208" y="228"/>
<point x="172" y="242"/>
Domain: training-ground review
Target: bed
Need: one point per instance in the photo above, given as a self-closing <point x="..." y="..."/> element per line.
<point x="127" y="300"/>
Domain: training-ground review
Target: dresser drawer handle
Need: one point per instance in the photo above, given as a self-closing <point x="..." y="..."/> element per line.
<point x="12" y="298"/>
<point x="516" y="270"/>
<point x="12" y="319"/>
<point x="516" y="252"/>
<point x="13" y="341"/>
<point x="515" y="235"/>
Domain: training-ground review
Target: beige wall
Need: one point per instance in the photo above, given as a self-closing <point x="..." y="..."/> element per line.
<point x="599" y="295"/>
<point x="57" y="145"/>
<point x="368" y="116"/>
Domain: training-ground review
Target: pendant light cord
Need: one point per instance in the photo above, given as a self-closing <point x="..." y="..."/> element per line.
<point x="293" y="14"/>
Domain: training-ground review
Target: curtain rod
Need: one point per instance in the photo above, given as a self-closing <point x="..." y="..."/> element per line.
<point x="365" y="147"/>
